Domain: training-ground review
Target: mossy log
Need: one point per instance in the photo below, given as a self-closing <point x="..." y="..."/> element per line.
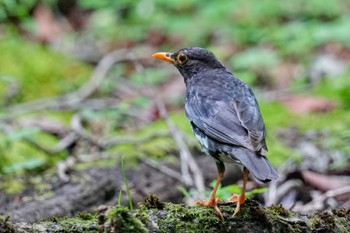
<point x="155" y="216"/>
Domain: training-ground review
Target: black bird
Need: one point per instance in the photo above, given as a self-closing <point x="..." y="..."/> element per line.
<point x="225" y="118"/>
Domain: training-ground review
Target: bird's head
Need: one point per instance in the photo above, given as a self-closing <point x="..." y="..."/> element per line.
<point x="190" y="61"/>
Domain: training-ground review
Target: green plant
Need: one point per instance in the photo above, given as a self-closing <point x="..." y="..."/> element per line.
<point x="13" y="8"/>
<point x="126" y="186"/>
<point x="226" y="192"/>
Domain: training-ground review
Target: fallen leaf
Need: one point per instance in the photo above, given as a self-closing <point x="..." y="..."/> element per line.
<point x="325" y="182"/>
<point x="47" y="29"/>
<point x="300" y="104"/>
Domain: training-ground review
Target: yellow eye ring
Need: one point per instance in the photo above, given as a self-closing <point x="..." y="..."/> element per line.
<point x="182" y="58"/>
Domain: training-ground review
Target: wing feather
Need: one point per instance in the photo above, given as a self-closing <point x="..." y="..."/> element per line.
<point x="234" y="121"/>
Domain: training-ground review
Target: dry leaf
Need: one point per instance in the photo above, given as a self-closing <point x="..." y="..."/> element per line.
<point x="325" y="182"/>
<point x="300" y="104"/>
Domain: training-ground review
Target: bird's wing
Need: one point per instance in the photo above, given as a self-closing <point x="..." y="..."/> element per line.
<point x="236" y="122"/>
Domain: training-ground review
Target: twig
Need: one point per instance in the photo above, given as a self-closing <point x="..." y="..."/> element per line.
<point x="345" y="205"/>
<point x="77" y="126"/>
<point x="45" y="124"/>
<point x="287" y="188"/>
<point x="274" y="195"/>
<point x="103" y="143"/>
<point x="100" y="73"/>
<point x="64" y="166"/>
<point x="94" y="104"/>
<point x="65" y="142"/>
<point x="60" y="146"/>
<point x="133" y="140"/>
<point x="72" y="99"/>
<point x="164" y="169"/>
<point x="187" y="161"/>
<point x="318" y="202"/>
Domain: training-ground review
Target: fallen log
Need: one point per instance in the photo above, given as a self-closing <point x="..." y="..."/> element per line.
<point x="156" y="216"/>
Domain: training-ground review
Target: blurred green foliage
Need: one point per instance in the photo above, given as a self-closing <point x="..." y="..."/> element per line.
<point x="17" y="156"/>
<point x="263" y="34"/>
<point x="14" y="8"/>
<point x="254" y="59"/>
<point x="306" y="24"/>
<point x="19" y="12"/>
<point x="224" y="193"/>
<point x="39" y="71"/>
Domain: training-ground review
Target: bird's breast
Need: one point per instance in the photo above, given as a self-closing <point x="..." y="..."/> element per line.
<point x="201" y="137"/>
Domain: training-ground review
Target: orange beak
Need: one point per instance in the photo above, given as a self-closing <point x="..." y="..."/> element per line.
<point x="164" y="56"/>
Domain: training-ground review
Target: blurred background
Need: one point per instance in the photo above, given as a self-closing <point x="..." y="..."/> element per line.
<point x="79" y="91"/>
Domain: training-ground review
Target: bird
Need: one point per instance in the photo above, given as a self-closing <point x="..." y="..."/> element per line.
<point x="225" y="118"/>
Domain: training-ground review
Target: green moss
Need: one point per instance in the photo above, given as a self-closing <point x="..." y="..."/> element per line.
<point x="335" y="120"/>
<point x="19" y="156"/>
<point x="40" y="185"/>
<point x="142" y="213"/>
<point x="39" y="71"/>
<point x="189" y="219"/>
<point x="180" y="218"/>
<point x="342" y="225"/>
<point x="335" y="221"/>
<point x="76" y="224"/>
<point x="282" y="220"/>
<point x="5" y="225"/>
<point x="344" y="213"/>
<point x="122" y="221"/>
<point x="86" y="216"/>
<point x="279" y="210"/>
<point x="152" y="201"/>
<point x="12" y="185"/>
<point x="324" y="218"/>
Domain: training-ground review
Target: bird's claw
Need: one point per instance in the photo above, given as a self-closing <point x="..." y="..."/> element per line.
<point x="212" y="203"/>
<point x="239" y="200"/>
<point x="233" y="199"/>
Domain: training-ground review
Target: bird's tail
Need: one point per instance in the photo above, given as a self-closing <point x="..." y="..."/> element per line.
<point x="258" y="165"/>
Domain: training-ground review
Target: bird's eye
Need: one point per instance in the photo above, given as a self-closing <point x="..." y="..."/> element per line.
<point x="182" y="58"/>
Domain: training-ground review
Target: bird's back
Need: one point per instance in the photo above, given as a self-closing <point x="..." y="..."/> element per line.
<point x="226" y="120"/>
<point x="226" y="109"/>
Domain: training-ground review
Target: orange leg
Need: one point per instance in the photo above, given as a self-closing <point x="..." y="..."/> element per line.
<point x="212" y="200"/>
<point x="240" y="199"/>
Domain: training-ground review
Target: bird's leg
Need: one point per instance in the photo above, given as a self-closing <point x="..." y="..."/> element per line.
<point x="212" y="200"/>
<point x="240" y="199"/>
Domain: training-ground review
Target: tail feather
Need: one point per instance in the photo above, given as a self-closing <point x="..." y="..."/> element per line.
<point x="258" y="165"/>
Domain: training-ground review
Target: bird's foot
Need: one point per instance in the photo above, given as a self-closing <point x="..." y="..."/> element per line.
<point x="239" y="200"/>
<point x="213" y="203"/>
